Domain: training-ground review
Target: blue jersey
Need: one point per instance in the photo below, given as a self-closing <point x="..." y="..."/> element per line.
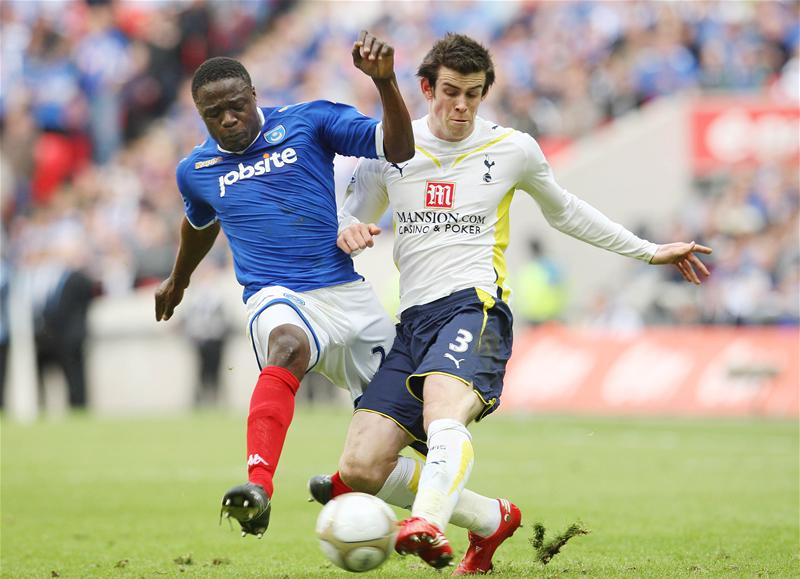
<point x="276" y="201"/>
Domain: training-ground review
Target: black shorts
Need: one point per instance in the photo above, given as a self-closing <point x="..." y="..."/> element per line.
<point x="466" y="335"/>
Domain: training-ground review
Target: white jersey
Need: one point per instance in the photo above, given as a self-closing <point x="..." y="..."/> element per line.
<point x="450" y="206"/>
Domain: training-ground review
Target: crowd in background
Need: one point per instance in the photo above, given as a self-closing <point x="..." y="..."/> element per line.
<point x="750" y="216"/>
<point x="83" y="163"/>
<point x="96" y="113"/>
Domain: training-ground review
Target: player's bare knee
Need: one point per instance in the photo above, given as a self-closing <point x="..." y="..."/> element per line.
<point x="363" y="474"/>
<point x="371" y="449"/>
<point x="289" y="348"/>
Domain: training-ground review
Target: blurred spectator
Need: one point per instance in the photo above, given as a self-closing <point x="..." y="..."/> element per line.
<point x="62" y="293"/>
<point x="103" y="59"/>
<point x="151" y="246"/>
<point x="540" y="291"/>
<point x="206" y="325"/>
<point x="5" y="330"/>
<point x="53" y="87"/>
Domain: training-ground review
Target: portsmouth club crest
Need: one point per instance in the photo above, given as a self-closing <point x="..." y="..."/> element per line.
<point x="275" y="135"/>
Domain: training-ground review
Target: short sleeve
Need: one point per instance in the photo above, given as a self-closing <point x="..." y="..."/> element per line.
<point x="348" y="132"/>
<point x="199" y="213"/>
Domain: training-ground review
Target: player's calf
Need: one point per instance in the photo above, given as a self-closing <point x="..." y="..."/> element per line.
<point x="250" y="505"/>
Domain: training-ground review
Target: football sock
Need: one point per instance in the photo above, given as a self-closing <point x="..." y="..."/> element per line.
<point x="271" y="411"/>
<point x="478" y="513"/>
<point x="474" y="512"/>
<point x="400" y="487"/>
<point x="446" y="471"/>
<point x="339" y="487"/>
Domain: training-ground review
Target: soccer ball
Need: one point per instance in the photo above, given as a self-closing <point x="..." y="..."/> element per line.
<point x="357" y="531"/>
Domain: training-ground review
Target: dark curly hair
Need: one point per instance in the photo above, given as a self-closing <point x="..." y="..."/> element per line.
<point x="218" y="68"/>
<point x="459" y="53"/>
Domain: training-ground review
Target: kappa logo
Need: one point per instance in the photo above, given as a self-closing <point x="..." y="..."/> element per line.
<point x="255" y="459"/>
<point x="207" y="163"/>
<point x="277" y="160"/>
<point x="457" y="362"/>
<point x="275" y="135"/>
<point x="439" y="194"/>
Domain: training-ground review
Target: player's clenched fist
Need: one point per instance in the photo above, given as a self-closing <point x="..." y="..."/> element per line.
<point x="373" y="56"/>
<point x="168" y="295"/>
<point x="357" y="237"/>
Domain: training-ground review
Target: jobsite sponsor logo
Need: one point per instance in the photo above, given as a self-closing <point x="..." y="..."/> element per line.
<point x="276" y="160"/>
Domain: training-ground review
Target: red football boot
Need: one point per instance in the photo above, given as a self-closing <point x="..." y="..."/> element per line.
<point x="424" y="539"/>
<point x="478" y="558"/>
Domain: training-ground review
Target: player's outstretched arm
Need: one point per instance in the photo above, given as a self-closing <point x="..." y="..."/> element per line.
<point x="375" y="58"/>
<point x="195" y="244"/>
<point x="682" y="255"/>
<point x="356" y="237"/>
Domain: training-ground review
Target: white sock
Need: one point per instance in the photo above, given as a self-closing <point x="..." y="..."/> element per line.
<point x="400" y="487"/>
<point x="474" y="512"/>
<point x="446" y="471"/>
<point x="478" y="513"/>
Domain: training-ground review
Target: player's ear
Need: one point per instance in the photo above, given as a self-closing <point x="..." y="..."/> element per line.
<point x="426" y="87"/>
<point x="253" y="91"/>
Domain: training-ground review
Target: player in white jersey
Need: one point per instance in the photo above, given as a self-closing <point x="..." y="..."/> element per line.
<point x="450" y="206"/>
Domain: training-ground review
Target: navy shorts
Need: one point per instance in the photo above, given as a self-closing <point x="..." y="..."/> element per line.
<point x="466" y="335"/>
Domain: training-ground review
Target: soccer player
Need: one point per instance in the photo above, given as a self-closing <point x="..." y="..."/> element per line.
<point x="265" y="177"/>
<point x="445" y="369"/>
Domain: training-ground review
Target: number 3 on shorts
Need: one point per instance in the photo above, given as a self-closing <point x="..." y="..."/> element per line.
<point x="462" y="341"/>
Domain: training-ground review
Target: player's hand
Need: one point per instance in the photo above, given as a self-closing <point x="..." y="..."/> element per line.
<point x="354" y="238"/>
<point x="682" y="254"/>
<point x="168" y="295"/>
<point x="373" y="56"/>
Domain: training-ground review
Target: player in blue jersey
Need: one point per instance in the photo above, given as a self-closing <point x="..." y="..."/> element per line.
<point x="265" y="177"/>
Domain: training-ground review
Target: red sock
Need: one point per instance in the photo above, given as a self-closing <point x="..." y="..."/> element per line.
<point x="271" y="411"/>
<point x="339" y="486"/>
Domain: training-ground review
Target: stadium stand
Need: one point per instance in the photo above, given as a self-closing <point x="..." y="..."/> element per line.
<point x="95" y="113"/>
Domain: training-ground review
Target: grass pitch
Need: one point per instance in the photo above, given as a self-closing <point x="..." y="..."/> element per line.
<point x="85" y="497"/>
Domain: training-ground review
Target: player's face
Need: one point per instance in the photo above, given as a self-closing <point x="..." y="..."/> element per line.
<point x="453" y="103"/>
<point x="228" y="108"/>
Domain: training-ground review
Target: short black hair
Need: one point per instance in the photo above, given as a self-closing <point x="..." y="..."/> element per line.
<point x="218" y="68"/>
<point x="459" y="53"/>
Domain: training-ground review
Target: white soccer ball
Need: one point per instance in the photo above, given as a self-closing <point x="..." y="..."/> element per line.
<point x="357" y="531"/>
